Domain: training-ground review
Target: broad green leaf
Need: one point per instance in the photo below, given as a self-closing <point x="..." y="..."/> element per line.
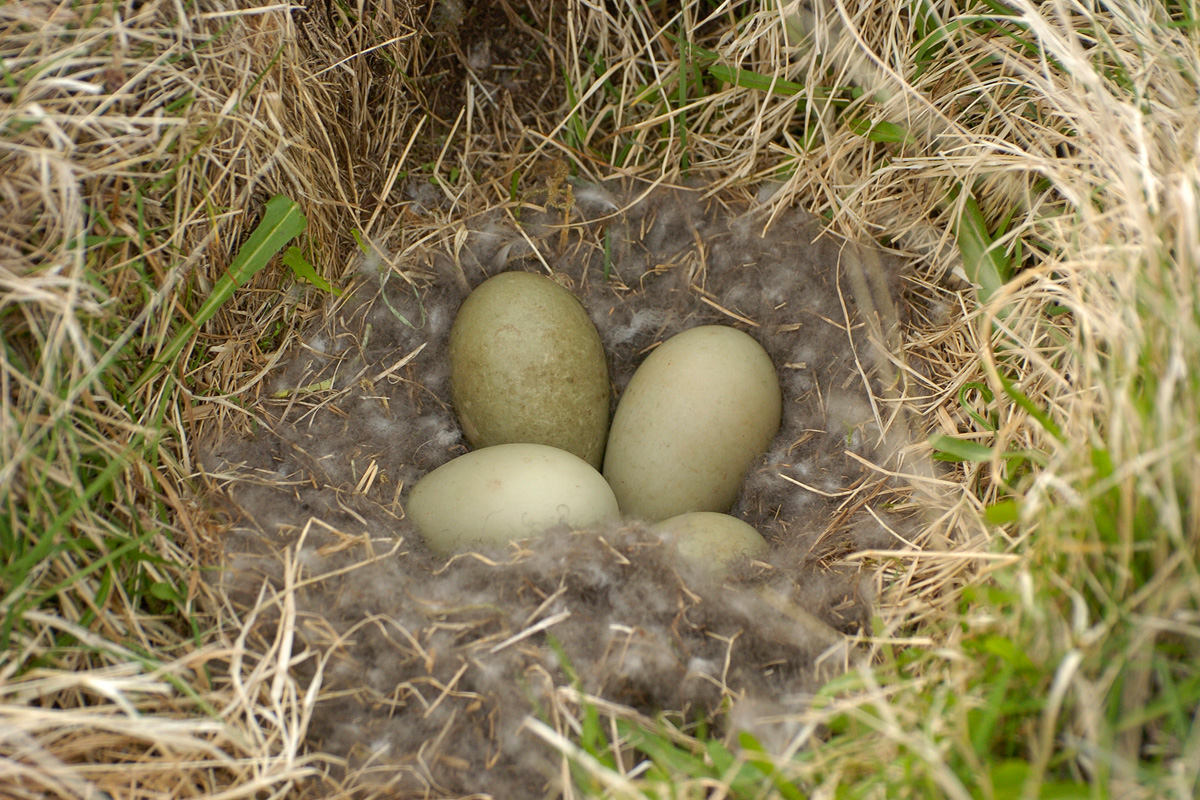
<point x="886" y="132"/>
<point x="1004" y="648"/>
<point x="721" y="758"/>
<point x="986" y="266"/>
<point x="362" y="244"/>
<point x="306" y="272"/>
<point x="162" y="590"/>
<point x="1003" y="512"/>
<point x="1010" y="781"/>
<point x="281" y="222"/>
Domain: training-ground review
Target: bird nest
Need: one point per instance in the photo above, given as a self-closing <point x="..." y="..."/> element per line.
<point x="436" y="674"/>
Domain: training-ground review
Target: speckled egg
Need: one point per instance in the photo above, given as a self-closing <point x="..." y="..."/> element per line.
<point x="506" y="493"/>
<point x="696" y="414"/>
<point x="712" y="540"/>
<point x="527" y="365"/>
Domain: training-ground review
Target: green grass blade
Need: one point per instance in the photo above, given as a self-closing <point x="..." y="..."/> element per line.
<point x="947" y="448"/>
<point x="575" y="129"/>
<point x="13" y="576"/>
<point x="1020" y="398"/>
<point x="281" y="222"/>
<point x="964" y="403"/>
<point x="883" y="132"/>
<point x="746" y="79"/>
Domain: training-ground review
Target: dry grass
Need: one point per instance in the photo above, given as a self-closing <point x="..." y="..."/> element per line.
<point x="139" y="142"/>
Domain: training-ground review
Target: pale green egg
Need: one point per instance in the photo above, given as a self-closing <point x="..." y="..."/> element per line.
<point x="527" y="365"/>
<point x="712" y="540"/>
<point x="696" y="414"/>
<point x="507" y="493"/>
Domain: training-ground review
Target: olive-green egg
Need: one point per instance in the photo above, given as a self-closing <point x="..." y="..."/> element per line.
<point x="696" y="414"/>
<point x="507" y="493"/>
<point x="527" y="365"/>
<point x="712" y="540"/>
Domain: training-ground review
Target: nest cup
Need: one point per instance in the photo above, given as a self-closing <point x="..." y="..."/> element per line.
<point x="430" y="668"/>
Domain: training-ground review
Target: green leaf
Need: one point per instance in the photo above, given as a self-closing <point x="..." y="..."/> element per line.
<point x="665" y="753"/>
<point x="1007" y="651"/>
<point x="756" y="755"/>
<point x="358" y="239"/>
<point x="164" y="591"/>
<point x="987" y="396"/>
<point x="1019" y="397"/>
<point x="754" y="80"/>
<point x="982" y="721"/>
<point x="985" y="264"/>
<point x="721" y="758"/>
<point x="281" y="222"/>
<point x="1010" y="780"/>
<point x="1004" y="512"/>
<point x="948" y="448"/>
<point x="886" y="132"/>
<point x="1064" y="790"/>
<point x="575" y="128"/>
<point x="305" y="271"/>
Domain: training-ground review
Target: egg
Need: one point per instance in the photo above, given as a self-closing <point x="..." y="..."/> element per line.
<point x="696" y="414"/>
<point x="527" y="365"/>
<point x="506" y="493"/>
<point x="712" y="540"/>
